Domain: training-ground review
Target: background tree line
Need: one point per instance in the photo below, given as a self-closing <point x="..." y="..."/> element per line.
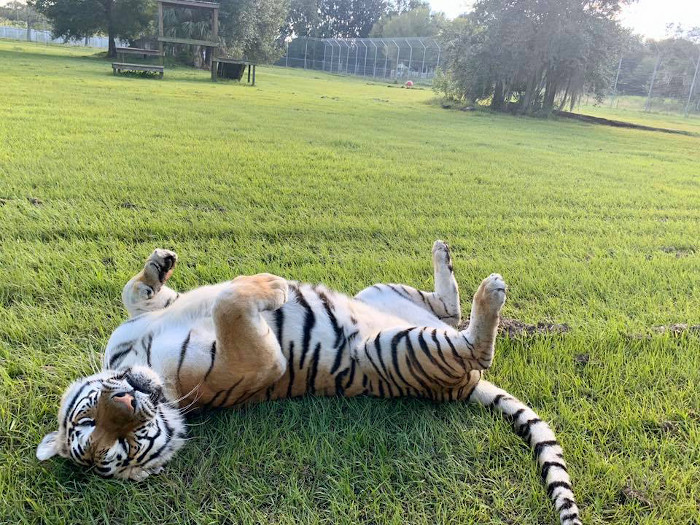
<point x="254" y="29"/>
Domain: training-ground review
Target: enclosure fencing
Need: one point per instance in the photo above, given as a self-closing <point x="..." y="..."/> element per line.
<point x="660" y="81"/>
<point x="413" y="59"/>
<point x="45" y="37"/>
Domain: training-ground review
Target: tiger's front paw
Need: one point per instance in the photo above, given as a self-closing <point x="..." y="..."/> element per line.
<point x="264" y="290"/>
<point x="159" y="267"/>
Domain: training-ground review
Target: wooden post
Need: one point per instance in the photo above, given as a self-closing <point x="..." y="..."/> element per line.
<point x="215" y="34"/>
<point x="249" y="66"/>
<point x="253" y="74"/>
<point x="160" y="32"/>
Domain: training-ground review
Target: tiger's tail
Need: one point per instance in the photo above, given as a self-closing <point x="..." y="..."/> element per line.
<point x="541" y="439"/>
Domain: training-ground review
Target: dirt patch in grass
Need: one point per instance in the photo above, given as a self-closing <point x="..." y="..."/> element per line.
<point x="677" y="329"/>
<point x="516" y="328"/>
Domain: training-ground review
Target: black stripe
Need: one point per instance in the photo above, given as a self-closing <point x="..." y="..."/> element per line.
<point x="544" y="444"/>
<point x="351" y="378"/>
<point x="279" y="321"/>
<point x="556" y="484"/>
<point x="454" y="352"/>
<point x="311" y="378"/>
<point x="395" y="356"/>
<point x="371" y="362"/>
<point x="168" y="302"/>
<point x="309" y="322"/>
<point x="183" y="351"/>
<point x="381" y="387"/>
<point x="290" y="368"/>
<point x="439" y="350"/>
<point x="572" y="516"/>
<point x="212" y="353"/>
<point x="339" y="390"/>
<point x="424" y="347"/>
<point x="339" y="334"/>
<point x="228" y="393"/>
<point x="214" y="398"/>
<point x="73" y="402"/>
<point x="339" y="356"/>
<point x="517" y="413"/>
<point x="391" y="287"/>
<point x="426" y="389"/>
<point x="568" y="503"/>
<point x="147" y="347"/>
<point x="119" y="356"/>
<point x="548" y="465"/>
<point x="497" y="400"/>
<point x="381" y="362"/>
<point x="414" y="359"/>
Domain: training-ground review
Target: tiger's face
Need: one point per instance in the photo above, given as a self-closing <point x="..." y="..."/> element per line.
<point x="118" y="423"/>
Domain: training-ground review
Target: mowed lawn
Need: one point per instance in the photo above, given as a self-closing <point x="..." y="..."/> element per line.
<point x="340" y="181"/>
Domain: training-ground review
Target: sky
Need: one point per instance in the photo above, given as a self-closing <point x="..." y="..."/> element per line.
<point x="646" y="17"/>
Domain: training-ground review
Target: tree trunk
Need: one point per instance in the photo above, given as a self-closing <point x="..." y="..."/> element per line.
<point x="112" y="47"/>
<point x="497" y="99"/>
<point x="198" y="59"/>
<point x="550" y="91"/>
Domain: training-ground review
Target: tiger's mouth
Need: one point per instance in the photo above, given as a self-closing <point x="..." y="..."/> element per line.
<point x="145" y="385"/>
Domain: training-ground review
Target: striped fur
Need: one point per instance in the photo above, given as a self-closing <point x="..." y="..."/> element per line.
<point x="262" y="337"/>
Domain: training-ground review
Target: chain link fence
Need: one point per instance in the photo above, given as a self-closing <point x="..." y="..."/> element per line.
<point x="414" y="59"/>
<point x="659" y="79"/>
<point x="45" y="37"/>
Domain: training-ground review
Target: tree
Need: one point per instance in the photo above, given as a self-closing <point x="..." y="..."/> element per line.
<point x="252" y="29"/>
<point x="343" y="18"/>
<point x="77" y="19"/>
<point x="529" y="52"/>
<point x="415" y="22"/>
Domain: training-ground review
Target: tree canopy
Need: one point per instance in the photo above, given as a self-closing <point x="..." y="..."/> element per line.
<point x="524" y="54"/>
<point x="77" y="19"/>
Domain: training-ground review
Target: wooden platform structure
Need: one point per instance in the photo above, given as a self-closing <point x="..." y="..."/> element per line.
<point x="212" y="44"/>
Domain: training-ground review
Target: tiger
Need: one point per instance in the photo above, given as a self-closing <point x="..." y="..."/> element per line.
<point x="262" y="337"/>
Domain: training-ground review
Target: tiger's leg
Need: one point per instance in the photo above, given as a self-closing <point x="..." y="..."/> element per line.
<point x="248" y="356"/>
<point x="425" y="361"/>
<point x="442" y="303"/>
<point x="146" y="291"/>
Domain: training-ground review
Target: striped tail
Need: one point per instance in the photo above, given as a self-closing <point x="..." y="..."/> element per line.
<point x="541" y="438"/>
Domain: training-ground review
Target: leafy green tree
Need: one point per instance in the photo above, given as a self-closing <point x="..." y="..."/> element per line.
<point x="415" y="22"/>
<point x="527" y="53"/>
<point x="252" y="29"/>
<point x="77" y="19"/>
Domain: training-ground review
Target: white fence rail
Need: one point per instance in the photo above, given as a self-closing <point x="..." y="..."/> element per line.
<point x="45" y="37"/>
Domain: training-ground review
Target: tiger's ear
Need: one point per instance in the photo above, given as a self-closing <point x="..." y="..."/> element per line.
<point x="48" y="447"/>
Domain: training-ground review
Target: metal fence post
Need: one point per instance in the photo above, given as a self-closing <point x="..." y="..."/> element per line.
<point x="410" y="56"/>
<point x="398" y="54"/>
<point x="647" y="106"/>
<point x="374" y="70"/>
<point x="692" y="86"/>
<point x="306" y="50"/>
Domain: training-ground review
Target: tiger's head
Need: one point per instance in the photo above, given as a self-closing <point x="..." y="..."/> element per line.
<point x="117" y="422"/>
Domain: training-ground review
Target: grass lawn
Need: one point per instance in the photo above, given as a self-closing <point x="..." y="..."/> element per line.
<point x="663" y="113"/>
<point x="321" y="178"/>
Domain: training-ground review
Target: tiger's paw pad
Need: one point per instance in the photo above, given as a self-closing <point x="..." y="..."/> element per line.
<point x="160" y="265"/>
<point x="491" y="295"/>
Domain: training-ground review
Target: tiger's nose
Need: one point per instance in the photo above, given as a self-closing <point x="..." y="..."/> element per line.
<point x="126" y="399"/>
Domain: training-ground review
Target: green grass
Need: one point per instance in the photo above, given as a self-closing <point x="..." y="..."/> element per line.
<point x="662" y="114"/>
<point x="331" y="179"/>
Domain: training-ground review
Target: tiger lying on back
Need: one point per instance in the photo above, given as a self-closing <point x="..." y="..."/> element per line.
<point x="262" y="337"/>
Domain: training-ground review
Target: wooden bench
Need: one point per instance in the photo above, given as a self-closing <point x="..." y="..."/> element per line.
<point x="118" y="67"/>
<point x="141" y="51"/>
